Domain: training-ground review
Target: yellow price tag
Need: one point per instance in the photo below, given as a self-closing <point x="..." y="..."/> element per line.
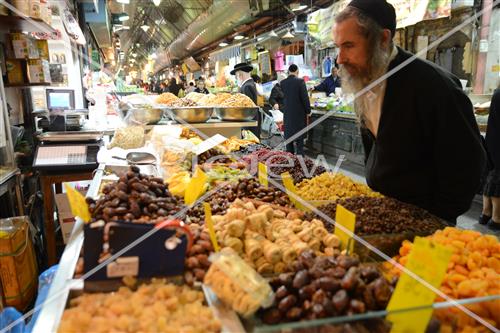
<point x="291" y="190"/>
<point x="429" y="261"/>
<point x="263" y="174"/>
<point x="347" y="219"/>
<point x="196" y="186"/>
<point x="79" y="206"/>
<point x="210" y="225"/>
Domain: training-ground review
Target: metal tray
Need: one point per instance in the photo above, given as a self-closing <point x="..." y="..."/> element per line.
<point x="236" y="113"/>
<point x="191" y="114"/>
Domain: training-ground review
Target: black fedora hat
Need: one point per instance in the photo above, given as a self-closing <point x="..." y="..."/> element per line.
<point x="242" y="67"/>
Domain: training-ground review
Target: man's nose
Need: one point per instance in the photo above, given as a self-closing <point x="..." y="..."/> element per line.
<point x="341" y="58"/>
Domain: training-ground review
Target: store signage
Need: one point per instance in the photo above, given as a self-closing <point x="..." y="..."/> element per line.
<point x="210" y="225"/>
<point x="347" y="220"/>
<point x="410" y="12"/>
<point x="429" y="261"/>
<point x="79" y="206"/>
<point x="483" y="46"/>
<point x="263" y="174"/>
<point x="455" y="4"/>
<point x="196" y="186"/>
<point x="265" y="62"/>
<point x="123" y="266"/>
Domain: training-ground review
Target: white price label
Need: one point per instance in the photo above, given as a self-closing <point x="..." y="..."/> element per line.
<point x="209" y="144"/>
<point x="125" y="266"/>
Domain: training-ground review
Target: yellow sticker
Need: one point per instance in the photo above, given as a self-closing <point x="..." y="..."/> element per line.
<point x="196" y="186"/>
<point x="263" y="174"/>
<point x="291" y="190"/>
<point x="347" y="219"/>
<point x="210" y="225"/>
<point x="79" y="206"/>
<point x="429" y="261"/>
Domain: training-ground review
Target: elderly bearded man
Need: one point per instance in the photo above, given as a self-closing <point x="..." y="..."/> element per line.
<point x="422" y="143"/>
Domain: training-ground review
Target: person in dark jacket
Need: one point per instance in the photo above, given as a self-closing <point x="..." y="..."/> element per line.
<point x="200" y="87"/>
<point x="491" y="191"/>
<point x="422" y="143"/>
<point x="295" y="110"/>
<point x="173" y="87"/>
<point x="247" y="87"/>
<point x="330" y="83"/>
<point x="277" y="98"/>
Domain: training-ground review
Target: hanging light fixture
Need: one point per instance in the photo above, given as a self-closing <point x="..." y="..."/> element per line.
<point x="125" y="2"/>
<point x="145" y="27"/>
<point x="157" y="2"/>
<point x="223" y="44"/>
<point x="288" y="35"/>
<point x="123" y="17"/>
<point x="239" y="37"/>
<point x="273" y="34"/>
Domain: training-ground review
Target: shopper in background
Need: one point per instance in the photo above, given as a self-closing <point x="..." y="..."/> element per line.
<point x="247" y="87"/>
<point x="296" y="109"/>
<point x="422" y="143"/>
<point x="201" y="87"/>
<point x="491" y="191"/>
<point x="190" y="88"/>
<point x="330" y="83"/>
<point x="163" y="88"/>
<point x="173" y="87"/>
<point x="277" y="98"/>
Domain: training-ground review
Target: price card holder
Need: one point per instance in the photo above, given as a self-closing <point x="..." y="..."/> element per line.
<point x="210" y="225"/>
<point x="209" y="143"/>
<point x="263" y="180"/>
<point x="79" y="206"/>
<point x="347" y="219"/>
<point x="196" y="186"/>
<point x="291" y="190"/>
<point x="429" y="261"/>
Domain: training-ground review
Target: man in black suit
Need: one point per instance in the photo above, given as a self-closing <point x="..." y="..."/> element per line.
<point x="296" y="109"/>
<point x="247" y="87"/>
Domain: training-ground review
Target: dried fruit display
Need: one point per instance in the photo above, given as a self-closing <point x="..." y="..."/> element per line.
<point x="473" y="271"/>
<point x="155" y="307"/>
<point x="197" y="262"/>
<point x="325" y="286"/>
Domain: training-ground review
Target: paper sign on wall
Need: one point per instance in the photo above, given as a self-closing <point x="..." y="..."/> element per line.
<point x="429" y="262"/>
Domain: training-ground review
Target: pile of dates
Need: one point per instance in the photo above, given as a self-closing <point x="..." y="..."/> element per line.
<point x="244" y="188"/>
<point x="213" y="155"/>
<point x="136" y="198"/>
<point x="197" y="263"/>
<point x="320" y="287"/>
<point x="383" y="216"/>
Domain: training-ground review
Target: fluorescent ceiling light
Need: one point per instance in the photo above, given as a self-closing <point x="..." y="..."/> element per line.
<point x="123" y="18"/>
<point x="157" y="2"/>
<point x="296" y="7"/>
<point x="134" y="55"/>
<point x="222" y="44"/>
<point x="239" y="37"/>
<point x="273" y="34"/>
<point x="125" y="2"/>
<point x="260" y="38"/>
<point x="145" y="27"/>
<point x="153" y="56"/>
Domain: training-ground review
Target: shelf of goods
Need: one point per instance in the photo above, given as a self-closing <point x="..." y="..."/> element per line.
<point x="30" y="24"/>
<point x="280" y="268"/>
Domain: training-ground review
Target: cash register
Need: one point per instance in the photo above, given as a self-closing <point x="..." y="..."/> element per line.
<point x="62" y="147"/>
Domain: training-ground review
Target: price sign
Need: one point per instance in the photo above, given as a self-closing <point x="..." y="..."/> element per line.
<point x="210" y="225"/>
<point x="196" y="186"/>
<point x="429" y="262"/>
<point x="79" y="206"/>
<point x="347" y="219"/>
<point x="263" y="174"/>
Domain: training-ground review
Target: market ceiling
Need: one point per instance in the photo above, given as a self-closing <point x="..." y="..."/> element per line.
<point x="175" y="29"/>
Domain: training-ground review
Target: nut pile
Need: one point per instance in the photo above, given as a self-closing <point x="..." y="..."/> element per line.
<point x="473" y="271"/>
<point x="244" y="188"/>
<point x="197" y="262"/>
<point x="384" y="216"/>
<point x="332" y="186"/>
<point x="319" y="287"/>
<point x="279" y="162"/>
<point x="155" y="307"/>
<point x="135" y="197"/>
<point x="269" y="239"/>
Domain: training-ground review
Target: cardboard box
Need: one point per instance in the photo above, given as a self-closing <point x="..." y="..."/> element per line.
<point x="66" y="218"/>
<point x="38" y="71"/>
<point x="15" y="71"/>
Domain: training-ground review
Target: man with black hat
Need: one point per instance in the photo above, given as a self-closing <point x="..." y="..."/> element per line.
<point x="422" y="144"/>
<point x="247" y="87"/>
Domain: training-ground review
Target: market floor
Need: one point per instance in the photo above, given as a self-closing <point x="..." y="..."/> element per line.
<point x="466" y="221"/>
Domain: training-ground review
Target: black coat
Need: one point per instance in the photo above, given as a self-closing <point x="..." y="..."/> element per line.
<point x="277" y="96"/>
<point x="248" y="88"/>
<point x="297" y="105"/>
<point x="428" y="150"/>
<point x="493" y="131"/>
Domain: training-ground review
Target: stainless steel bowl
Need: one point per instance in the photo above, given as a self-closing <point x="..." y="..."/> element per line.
<point x="143" y="114"/>
<point x="236" y="113"/>
<point x="192" y="114"/>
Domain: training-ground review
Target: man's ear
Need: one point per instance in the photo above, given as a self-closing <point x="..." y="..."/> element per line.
<point x="386" y="38"/>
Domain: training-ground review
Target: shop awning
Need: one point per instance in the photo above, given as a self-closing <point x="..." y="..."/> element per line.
<point x="227" y="53"/>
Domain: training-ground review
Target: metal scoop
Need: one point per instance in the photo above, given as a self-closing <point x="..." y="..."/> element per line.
<point x="138" y="158"/>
